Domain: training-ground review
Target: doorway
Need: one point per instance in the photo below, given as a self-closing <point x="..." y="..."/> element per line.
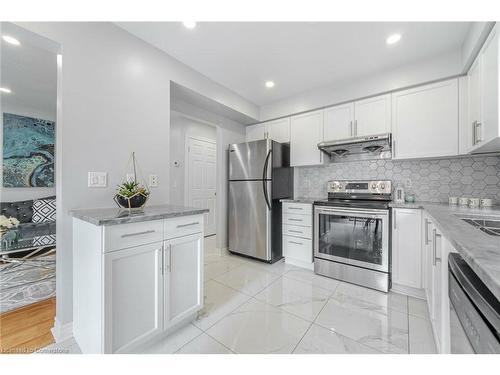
<point x="201" y="171"/>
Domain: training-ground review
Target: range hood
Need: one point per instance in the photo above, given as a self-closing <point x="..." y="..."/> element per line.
<point x="358" y="148"/>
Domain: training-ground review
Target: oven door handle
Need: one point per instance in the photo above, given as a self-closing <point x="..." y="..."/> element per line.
<point x="371" y="213"/>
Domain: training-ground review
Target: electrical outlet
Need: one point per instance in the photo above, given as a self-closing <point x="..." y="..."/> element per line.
<point x="97" y="179"/>
<point x="153" y="180"/>
<point x="407" y="183"/>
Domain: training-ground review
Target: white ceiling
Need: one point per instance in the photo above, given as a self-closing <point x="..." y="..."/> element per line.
<point x="31" y="73"/>
<point x="297" y="56"/>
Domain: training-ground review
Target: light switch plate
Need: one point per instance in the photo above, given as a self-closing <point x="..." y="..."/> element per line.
<point x="97" y="179"/>
<point x="153" y="180"/>
<point x="407" y="182"/>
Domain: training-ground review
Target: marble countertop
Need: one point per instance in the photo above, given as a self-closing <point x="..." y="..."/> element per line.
<point x="480" y="250"/>
<point x="114" y="216"/>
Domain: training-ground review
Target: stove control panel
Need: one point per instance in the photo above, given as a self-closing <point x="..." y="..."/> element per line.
<point x="364" y="186"/>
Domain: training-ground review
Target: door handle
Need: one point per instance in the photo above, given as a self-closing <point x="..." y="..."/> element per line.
<point x="394" y="219"/>
<point x="264" y="182"/>
<point x="137" y="233"/>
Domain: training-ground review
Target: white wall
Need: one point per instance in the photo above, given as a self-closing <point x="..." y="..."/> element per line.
<point x="19" y="194"/>
<point x="180" y="128"/>
<point x="228" y="132"/>
<point x="446" y="65"/>
<point x="115" y="92"/>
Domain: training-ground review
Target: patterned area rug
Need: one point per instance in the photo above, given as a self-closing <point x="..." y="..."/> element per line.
<point x="26" y="283"/>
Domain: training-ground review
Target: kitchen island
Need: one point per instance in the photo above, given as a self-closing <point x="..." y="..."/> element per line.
<point x="137" y="275"/>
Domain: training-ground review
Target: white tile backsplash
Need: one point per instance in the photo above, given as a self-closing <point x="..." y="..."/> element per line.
<point x="431" y="180"/>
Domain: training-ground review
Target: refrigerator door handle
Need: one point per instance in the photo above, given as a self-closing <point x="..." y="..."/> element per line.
<point x="264" y="181"/>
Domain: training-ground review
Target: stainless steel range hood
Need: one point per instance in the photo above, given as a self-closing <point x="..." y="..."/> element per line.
<point x="359" y="148"/>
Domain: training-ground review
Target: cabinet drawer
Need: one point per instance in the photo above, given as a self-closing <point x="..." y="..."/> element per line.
<point x="297" y="231"/>
<point x="133" y="234"/>
<point x="297" y="208"/>
<point x="294" y="219"/>
<point x="297" y="248"/>
<point x="183" y="226"/>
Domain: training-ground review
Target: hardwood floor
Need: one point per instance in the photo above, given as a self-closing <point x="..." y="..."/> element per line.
<point x="27" y="329"/>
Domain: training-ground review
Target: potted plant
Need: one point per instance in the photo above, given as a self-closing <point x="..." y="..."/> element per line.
<point x="131" y="194"/>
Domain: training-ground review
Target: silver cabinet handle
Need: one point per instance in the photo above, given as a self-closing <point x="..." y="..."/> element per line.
<point x="187" y="225"/>
<point x="290" y="219"/>
<point x="295" y="231"/>
<point x="474" y="141"/>
<point x="427" y="222"/>
<point x="435" y="254"/>
<point x="355" y="127"/>
<point x="166" y="265"/>
<point x="394" y="218"/>
<point x="477" y="131"/>
<point x="393" y="147"/>
<point x="137" y="233"/>
<point x="296" y="243"/>
<point x="295" y="208"/>
<point x="351" y="131"/>
<point x="433" y="247"/>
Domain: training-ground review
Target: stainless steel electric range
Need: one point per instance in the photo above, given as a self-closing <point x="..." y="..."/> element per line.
<point x="351" y="233"/>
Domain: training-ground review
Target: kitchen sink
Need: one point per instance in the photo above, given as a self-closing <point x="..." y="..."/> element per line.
<point x="488" y="225"/>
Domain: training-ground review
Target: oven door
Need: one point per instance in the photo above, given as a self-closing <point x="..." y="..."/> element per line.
<point x="352" y="236"/>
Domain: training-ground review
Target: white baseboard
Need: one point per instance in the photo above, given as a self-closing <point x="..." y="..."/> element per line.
<point x="300" y="263"/>
<point x="409" y="291"/>
<point x="62" y="332"/>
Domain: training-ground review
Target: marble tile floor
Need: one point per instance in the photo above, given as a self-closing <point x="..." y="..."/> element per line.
<point x="253" y="307"/>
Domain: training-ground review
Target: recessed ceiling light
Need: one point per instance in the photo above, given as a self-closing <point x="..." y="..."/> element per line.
<point x="269" y="84"/>
<point x="394" y="38"/>
<point x="5" y="90"/>
<point x="189" y="24"/>
<point x="11" y="40"/>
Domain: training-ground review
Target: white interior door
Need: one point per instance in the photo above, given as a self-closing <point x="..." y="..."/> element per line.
<point x="201" y="178"/>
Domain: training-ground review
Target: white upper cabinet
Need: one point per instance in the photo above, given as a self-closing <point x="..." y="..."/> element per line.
<point x="372" y="116"/>
<point x="483" y="98"/>
<point x="339" y="122"/>
<point x="256" y="132"/>
<point x="306" y="131"/>
<point x="425" y="121"/>
<point x="279" y="130"/>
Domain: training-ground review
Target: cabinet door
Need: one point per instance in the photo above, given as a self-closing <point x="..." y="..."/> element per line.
<point x="407" y="249"/>
<point x="184" y="278"/>
<point x="339" y="122"/>
<point x="133" y="296"/>
<point x="256" y="132"/>
<point x="306" y="131"/>
<point x="474" y="95"/>
<point x="279" y="130"/>
<point x="489" y="128"/>
<point x="425" y="121"/>
<point x="437" y="286"/>
<point x="372" y="116"/>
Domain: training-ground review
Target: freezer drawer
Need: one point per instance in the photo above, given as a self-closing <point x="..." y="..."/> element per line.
<point x="249" y="219"/>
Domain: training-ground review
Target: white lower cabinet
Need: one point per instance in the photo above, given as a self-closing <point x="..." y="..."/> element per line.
<point x="133" y="296"/>
<point x="184" y="277"/>
<point x="127" y="294"/>
<point x="406" y="248"/>
<point x="297" y="234"/>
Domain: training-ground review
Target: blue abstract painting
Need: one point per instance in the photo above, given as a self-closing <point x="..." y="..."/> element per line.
<point x="28" y="151"/>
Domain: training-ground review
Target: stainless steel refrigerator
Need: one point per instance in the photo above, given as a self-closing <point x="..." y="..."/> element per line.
<point x="259" y="176"/>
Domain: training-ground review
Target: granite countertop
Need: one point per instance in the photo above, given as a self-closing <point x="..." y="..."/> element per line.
<point x="480" y="250"/>
<point x="114" y="216"/>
